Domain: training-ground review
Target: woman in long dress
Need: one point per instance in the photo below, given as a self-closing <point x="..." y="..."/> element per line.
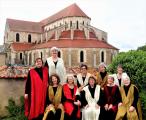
<point x="91" y="100"/>
<point x="70" y="101"/>
<point x="54" y="109"/>
<point x="56" y="65"/>
<point x="130" y="108"/>
<point x="112" y="98"/>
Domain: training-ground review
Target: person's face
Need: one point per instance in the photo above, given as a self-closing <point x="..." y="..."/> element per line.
<point x="54" y="80"/>
<point x="110" y="80"/>
<point x="54" y="53"/>
<point x="39" y="63"/>
<point x="70" y="80"/>
<point x="102" y="68"/>
<point x="83" y="70"/>
<point x="120" y="70"/>
<point x="91" y="82"/>
<point x="126" y="81"/>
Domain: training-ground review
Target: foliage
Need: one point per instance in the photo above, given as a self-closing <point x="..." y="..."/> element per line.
<point x="142" y="48"/>
<point x="16" y="112"/>
<point x="134" y="64"/>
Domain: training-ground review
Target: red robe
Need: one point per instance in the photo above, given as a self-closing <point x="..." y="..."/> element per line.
<point x="36" y="106"/>
<point x="68" y="106"/>
<point x="112" y="97"/>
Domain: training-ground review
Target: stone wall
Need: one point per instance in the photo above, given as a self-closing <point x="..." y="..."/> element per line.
<point x="2" y="59"/>
<point x="10" y="88"/>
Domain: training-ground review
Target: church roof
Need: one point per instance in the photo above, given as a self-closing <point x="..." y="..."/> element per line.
<point x="64" y="43"/>
<point x="21" y="46"/>
<point x="70" y="11"/>
<point x="24" y="26"/>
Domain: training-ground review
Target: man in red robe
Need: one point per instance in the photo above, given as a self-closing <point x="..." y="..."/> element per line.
<point x="35" y="91"/>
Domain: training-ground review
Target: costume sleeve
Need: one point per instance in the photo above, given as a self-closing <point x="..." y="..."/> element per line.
<point x="101" y="100"/>
<point x="118" y="96"/>
<point x="136" y="96"/>
<point x="28" y="84"/>
<point x="78" y="84"/>
<point x="83" y="99"/>
<point x="48" y="102"/>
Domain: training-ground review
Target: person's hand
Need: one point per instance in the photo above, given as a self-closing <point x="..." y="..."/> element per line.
<point x="106" y="107"/>
<point x="77" y="103"/>
<point x="86" y="106"/>
<point x="80" y="88"/>
<point x="110" y="106"/>
<point x="120" y="104"/>
<point x="131" y="109"/>
<point x="26" y="96"/>
<point x="50" y="106"/>
<point x="60" y="105"/>
<point x="97" y="106"/>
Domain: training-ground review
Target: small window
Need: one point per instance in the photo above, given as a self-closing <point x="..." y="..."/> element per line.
<point x="41" y="55"/>
<point x="81" y="56"/>
<point x="77" y="25"/>
<point x="17" y="37"/>
<point x="59" y="54"/>
<point x="83" y="22"/>
<point x="70" y="23"/>
<point x="29" y="38"/>
<point x="102" y="56"/>
<point x="20" y="56"/>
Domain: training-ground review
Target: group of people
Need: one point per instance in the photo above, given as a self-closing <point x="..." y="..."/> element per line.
<point x="51" y="94"/>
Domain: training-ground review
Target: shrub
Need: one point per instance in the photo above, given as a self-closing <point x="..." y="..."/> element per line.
<point x="134" y="64"/>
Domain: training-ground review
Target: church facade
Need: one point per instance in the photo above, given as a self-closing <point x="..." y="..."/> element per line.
<point x="69" y="30"/>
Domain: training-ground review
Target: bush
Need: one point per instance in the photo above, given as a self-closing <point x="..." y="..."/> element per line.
<point x="134" y="64"/>
<point x="16" y="112"/>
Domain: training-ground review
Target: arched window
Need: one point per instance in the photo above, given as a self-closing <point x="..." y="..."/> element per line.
<point x="81" y="56"/>
<point x="59" y="54"/>
<point x="17" y="37"/>
<point x="29" y="38"/>
<point x="41" y="55"/>
<point x="20" y="56"/>
<point x="70" y="23"/>
<point x="83" y="22"/>
<point x="102" y="56"/>
<point x="77" y="25"/>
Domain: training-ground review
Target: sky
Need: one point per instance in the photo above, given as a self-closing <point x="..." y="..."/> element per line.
<point x="123" y="20"/>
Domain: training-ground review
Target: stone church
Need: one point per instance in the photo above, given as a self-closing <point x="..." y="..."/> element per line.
<point x="69" y="30"/>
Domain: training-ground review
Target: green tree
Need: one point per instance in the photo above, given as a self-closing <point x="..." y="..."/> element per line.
<point x="134" y="64"/>
<point x="142" y="48"/>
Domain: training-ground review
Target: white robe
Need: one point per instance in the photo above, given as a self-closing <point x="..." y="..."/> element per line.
<point x="116" y="81"/>
<point x="91" y="112"/>
<point x="80" y="79"/>
<point x="59" y="70"/>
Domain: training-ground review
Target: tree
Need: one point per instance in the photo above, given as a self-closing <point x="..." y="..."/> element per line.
<point x="134" y="64"/>
<point x="142" y="48"/>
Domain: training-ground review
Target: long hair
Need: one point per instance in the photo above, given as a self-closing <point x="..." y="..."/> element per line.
<point x="50" y="79"/>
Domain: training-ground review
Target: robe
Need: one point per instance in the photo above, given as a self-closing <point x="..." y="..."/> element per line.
<point x="80" y="79"/>
<point x="127" y="102"/>
<point x="101" y="81"/>
<point x="91" y="112"/>
<point x="55" y="99"/>
<point x="59" y="69"/>
<point x="111" y="96"/>
<point x="116" y="81"/>
<point x="36" y="105"/>
<point x="69" y="100"/>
